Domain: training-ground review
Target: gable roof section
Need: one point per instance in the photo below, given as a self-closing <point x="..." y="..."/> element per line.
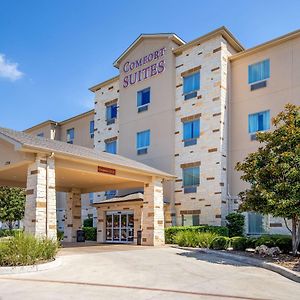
<point x="175" y="38"/>
<point x="227" y="35"/>
<point x="40" y="144"/>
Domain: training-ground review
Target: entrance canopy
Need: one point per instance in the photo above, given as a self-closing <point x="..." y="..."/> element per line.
<point x="89" y="170"/>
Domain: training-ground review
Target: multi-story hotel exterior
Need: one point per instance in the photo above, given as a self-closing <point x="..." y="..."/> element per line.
<point x="192" y="110"/>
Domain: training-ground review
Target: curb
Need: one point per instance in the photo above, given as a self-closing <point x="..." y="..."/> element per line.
<point x="292" y="275"/>
<point x="31" y="268"/>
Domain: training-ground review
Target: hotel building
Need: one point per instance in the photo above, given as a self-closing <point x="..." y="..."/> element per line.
<point x="189" y="109"/>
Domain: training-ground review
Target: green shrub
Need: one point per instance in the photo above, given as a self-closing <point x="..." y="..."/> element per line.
<point x="170" y="232"/>
<point x="266" y="240"/>
<point x="60" y="235"/>
<point x="24" y="249"/>
<point x="284" y="243"/>
<point x="195" y="239"/>
<point x="250" y="243"/>
<point x="235" y="224"/>
<point x="90" y="233"/>
<point x="88" y="222"/>
<point x="238" y="243"/>
<point x="220" y="243"/>
<point x="9" y="232"/>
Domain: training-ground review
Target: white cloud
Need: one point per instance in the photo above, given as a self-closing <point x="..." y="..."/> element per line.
<point x="9" y="69"/>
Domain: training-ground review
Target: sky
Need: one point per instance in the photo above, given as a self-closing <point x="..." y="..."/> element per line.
<point x="53" y="51"/>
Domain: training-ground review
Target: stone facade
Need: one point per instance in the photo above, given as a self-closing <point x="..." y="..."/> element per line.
<point x="153" y="215"/>
<point x="210" y="152"/>
<point x="73" y="215"/>
<point x="40" y="207"/>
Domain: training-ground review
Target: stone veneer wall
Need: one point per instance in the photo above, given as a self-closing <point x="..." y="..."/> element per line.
<point x="211" y="57"/>
<point x="104" y="132"/>
<point x="40" y="206"/>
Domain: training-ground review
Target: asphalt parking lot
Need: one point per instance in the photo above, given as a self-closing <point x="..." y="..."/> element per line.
<point x="134" y="272"/>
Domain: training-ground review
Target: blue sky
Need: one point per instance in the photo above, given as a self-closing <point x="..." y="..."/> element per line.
<point x="52" y="51"/>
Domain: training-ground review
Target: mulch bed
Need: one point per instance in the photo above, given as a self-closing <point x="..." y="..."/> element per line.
<point x="284" y="260"/>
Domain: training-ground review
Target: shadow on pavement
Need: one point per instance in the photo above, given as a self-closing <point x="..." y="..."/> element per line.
<point x="212" y="258"/>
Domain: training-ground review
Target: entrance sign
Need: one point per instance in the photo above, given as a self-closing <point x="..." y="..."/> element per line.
<point x="106" y="170"/>
<point x="140" y="68"/>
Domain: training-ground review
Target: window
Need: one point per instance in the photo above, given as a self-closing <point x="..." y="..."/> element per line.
<point x="110" y="194"/>
<point x="91" y="198"/>
<point x="111" y="147"/>
<point x="191" y="179"/>
<point x="190" y="220"/>
<point x="70" y="135"/>
<point x="191" y="131"/>
<point x="259" y="71"/>
<point x="191" y="84"/>
<point x="143" y="99"/>
<point x="40" y="134"/>
<point x="255" y="223"/>
<point x="142" y="141"/>
<point x="92" y="129"/>
<point x="259" y="121"/>
<point x="111" y="113"/>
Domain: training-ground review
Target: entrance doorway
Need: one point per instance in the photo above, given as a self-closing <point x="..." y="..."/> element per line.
<point x="119" y="227"/>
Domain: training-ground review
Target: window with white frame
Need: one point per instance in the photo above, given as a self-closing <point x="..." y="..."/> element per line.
<point x="70" y="135"/>
<point x="259" y="71"/>
<point x="259" y="121"/>
<point x="191" y="84"/>
<point x="92" y="129"/>
<point x="111" y="113"/>
<point x="191" y="132"/>
<point x="111" y="147"/>
<point x="142" y="141"/>
<point x="143" y="99"/>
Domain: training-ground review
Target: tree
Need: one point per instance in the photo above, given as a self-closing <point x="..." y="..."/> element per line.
<point x="12" y="205"/>
<point x="235" y="224"/>
<point x="273" y="172"/>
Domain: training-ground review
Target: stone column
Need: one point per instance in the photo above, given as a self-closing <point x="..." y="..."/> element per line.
<point x="73" y="215"/>
<point x="153" y="214"/>
<point x="100" y="225"/>
<point x="40" y="206"/>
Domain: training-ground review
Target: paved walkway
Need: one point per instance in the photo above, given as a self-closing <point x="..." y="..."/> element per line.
<point x="132" y="272"/>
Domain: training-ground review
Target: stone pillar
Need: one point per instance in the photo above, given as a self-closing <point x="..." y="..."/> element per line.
<point x="40" y="206"/>
<point x="73" y="215"/>
<point x="100" y="225"/>
<point x="153" y="214"/>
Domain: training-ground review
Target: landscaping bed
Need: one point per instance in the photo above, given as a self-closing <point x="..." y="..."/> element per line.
<point x="23" y="250"/>
<point x="284" y="260"/>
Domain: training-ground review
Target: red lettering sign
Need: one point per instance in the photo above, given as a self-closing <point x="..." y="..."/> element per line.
<point x="106" y="170"/>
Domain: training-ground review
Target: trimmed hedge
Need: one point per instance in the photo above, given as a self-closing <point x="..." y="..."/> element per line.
<point x="170" y="232"/>
<point x="88" y="222"/>
<point x="90" y="233"/>
<point x="220" y="243"/>
<point x="195" y="239"/>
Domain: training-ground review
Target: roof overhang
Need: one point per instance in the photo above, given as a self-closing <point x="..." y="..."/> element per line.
<point x="266" y="45"/>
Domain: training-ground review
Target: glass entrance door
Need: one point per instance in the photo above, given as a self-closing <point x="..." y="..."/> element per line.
<point x="119" y="227"/>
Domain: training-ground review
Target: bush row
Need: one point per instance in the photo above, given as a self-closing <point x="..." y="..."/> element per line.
<point x="23" y="249"/>
<point x="171" y="232"/>
<point x="217" y="242"/>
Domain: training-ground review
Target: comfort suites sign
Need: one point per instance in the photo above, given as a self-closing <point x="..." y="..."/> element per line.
<point x="144" y="67"/>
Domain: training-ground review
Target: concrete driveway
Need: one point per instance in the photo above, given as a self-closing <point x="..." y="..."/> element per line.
<point x="133" y="272"/>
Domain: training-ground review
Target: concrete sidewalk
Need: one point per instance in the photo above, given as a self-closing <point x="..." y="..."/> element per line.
<point x="130" y="272"/>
